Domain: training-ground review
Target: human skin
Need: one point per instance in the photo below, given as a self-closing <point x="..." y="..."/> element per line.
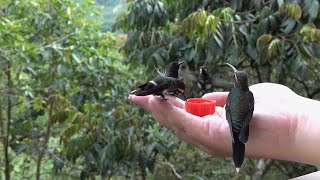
<point x="284" y="125"/>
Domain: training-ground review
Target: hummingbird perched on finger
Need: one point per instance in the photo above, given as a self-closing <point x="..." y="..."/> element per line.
<point x="164" y="83"/>
<point x="173" y="71"/>
<point x="239" y="110"/>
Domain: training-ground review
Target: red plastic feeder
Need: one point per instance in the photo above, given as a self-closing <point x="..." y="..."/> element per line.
<point x="200" y="107"/>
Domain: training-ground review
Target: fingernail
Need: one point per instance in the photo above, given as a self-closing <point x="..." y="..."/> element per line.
<point x="130" y="97"/>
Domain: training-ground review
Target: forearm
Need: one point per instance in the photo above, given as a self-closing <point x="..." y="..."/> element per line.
<point x="307" y="144"/>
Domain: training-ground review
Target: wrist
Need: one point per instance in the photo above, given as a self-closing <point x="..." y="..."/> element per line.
<point x="307" y="139"/>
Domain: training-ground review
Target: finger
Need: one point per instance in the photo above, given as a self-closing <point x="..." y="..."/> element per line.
<point x="219" y="97"/>
<point x="142" y="101"/>
<point x="176" y="101"/>
<point x="221" y="112"/>
<point x="206" y="131"/>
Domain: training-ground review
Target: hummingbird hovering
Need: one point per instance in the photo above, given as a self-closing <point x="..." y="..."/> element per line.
<point x="204" y="80"/>
<point x="239" y="110"/>
<point x="167" y="82"/>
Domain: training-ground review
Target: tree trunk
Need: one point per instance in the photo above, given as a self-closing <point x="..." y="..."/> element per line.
<point x="7" y="136"/>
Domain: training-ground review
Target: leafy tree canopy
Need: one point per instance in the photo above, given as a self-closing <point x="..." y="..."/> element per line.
<point x="64" y="108"/>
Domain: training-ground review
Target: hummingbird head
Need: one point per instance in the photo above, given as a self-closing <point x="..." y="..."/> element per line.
<point x="241" y="77"/>
<point x="174" y="68"/>
<point x="203" y="70"/>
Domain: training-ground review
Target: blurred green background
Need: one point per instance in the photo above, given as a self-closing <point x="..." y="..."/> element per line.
<point x="67" y="66"/>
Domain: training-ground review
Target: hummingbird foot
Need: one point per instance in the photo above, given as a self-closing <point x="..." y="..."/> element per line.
<point x="163" y="97"/>
<point x="184" y="97"/>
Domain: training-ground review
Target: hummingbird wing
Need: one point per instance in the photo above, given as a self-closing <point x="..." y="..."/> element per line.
<point x="244" y="132"/>
<point x="228" y="114"/>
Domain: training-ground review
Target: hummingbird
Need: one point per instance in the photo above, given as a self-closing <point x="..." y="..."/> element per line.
<point x="173" y="69"/>
<point x="204" y="80"/>
<point x="160" y="85"/>
<point x="163" y="83"/>
<point x="239" y="109"/>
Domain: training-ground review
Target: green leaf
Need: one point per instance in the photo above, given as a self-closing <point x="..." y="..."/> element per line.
<point x="211" y="25"/>
<point x="294" y="11"/>
<point x="75" y="57"/>
<point x="264" y="40"/>
<point x="227" y="14"/>
<point x="149" y="8"/>
<point x="262" y="47"/>
<point x="288" y="26"/>
<point x="47" y="55"/>
<point x="305" y="51"/>
<point x="313" y="8"/>
<point x="275" y="49"/>
<point x="33" y="72"/>
<point x="71" y="130"/>
<point x="158" y="58"/>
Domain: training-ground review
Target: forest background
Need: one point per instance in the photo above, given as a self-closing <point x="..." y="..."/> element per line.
<point x="67" y="66"/>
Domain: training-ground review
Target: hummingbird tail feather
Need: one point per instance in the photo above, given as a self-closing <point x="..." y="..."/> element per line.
<point x="238" y="149"/>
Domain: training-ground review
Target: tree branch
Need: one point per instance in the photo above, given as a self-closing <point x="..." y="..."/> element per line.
<point x="173" y="169"/>
<point x="1" y="120"/>
<point x="46" y="139"/>
<point x="7" y="136"/>
<point x="59" y="40"/>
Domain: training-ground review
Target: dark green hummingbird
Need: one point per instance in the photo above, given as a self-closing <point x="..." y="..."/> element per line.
<point x="239" y="110"/>
<point x="164" y="83"/>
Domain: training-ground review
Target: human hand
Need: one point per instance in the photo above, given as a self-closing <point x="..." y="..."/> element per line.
<point x="278" y="130"/>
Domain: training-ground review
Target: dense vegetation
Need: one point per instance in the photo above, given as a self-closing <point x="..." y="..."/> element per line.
<point x="64" y="111"/>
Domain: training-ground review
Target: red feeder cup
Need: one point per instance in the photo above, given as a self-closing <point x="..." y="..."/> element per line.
<point x="200" y="107"/>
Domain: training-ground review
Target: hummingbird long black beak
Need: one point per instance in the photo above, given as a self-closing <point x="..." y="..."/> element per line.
<point x="233" y="68"/>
